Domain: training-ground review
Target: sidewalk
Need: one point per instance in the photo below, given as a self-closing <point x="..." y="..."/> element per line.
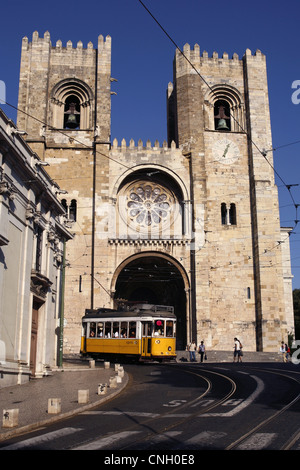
<point x="31" y="399"/>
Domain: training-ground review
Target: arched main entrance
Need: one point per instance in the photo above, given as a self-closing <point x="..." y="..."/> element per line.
<point x="157" y="279"/>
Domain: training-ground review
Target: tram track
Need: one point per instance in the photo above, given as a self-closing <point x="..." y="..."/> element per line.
<point x="261" y="405"/>
<point x="179" y="409"/>
<point x="264" y="423"/>
<point x="289" y="443"/>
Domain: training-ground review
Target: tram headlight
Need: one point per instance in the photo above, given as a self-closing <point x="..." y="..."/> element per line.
<point x="169" y="348"/>
<point x="157" y="341"/>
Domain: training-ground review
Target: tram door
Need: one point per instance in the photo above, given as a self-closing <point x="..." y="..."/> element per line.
<point x="146" y="338"/>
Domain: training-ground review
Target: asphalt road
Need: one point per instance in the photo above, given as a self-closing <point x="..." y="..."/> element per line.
<point x="173" y="411"/>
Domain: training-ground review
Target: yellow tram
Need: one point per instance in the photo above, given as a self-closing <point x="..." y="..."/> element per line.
<point x="145" y="332"/>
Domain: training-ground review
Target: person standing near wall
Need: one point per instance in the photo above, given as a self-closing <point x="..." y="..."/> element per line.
<point x="201" y="351"/>
<point x="237" y="352"/>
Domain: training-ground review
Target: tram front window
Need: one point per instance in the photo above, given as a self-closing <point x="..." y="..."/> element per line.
<point x="169" y="328"/>
<point x="159" y="326"/>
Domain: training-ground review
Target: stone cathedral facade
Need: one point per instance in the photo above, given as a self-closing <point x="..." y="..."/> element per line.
<point x="192" y="222"/>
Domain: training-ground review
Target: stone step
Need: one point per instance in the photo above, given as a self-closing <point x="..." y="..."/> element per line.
<point x="227" y="356"/>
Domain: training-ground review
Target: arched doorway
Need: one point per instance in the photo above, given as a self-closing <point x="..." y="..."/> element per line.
<point x="155" y="279"/>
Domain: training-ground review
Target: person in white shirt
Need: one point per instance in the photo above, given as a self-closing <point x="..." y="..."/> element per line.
<point x="192" y="349"/>
<point x="237" y="352"/>
<point x="201" y="351"/>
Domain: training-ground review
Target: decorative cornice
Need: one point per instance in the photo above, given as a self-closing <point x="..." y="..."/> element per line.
<point x="147" y="242"/>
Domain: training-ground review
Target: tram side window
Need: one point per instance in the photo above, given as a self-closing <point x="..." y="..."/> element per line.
<point x="100" y="330"/>
<point x="159" y="327"/>
<point x="92" y="330"/>
<point x="132" y="329"/>
<point x="124" y="329"/>
<point x="107" y="329"/>
<point x="116" y="328"/>
<point x="169" y="328"/>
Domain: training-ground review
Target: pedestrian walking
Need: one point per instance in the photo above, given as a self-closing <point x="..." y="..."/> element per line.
<point x="287" y="352"/>
<point x="282" y="351"/>
<point x="192" y="349"/>
<point x="201" y="351"/>
<point x="237" y="351"/>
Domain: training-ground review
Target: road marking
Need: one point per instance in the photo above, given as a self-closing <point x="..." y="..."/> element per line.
<point x="233" y="402"/>
<point x="203" y="402"/>
<point x="241" y="406"/>
<point x="166" y="436"/>
<point x="33" y="441"/>
<point x="258" y="441"/>
<point x="244" y="404"/>
<point x="106" y="441"/>
<point x="174" y="403"/>
<point x="123" y="413"/>
<point x="205" y="437"/>
<point x="138" y="414"/>
<point x="159" y="439"/>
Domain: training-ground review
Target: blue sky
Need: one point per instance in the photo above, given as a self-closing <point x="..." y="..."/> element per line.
<point x="142" y="57"/>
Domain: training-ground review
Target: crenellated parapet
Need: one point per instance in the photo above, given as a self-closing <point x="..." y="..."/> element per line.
<point x="169" y="159"/>
<point x="141" y="147"/>
<point x="191" y="61"/>
<point x="45" y="41"/>
<point x="194" y="56"/>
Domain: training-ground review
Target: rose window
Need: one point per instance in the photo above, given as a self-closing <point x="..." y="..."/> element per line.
<point x="149" y="204"/>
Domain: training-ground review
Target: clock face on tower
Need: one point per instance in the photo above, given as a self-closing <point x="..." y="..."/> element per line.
<point x="225" y="151"/>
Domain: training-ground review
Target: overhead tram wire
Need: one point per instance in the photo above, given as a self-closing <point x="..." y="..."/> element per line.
<point x="262" y="152"/>
<point x="67" y="135"/>
<point x="130" y="168"/>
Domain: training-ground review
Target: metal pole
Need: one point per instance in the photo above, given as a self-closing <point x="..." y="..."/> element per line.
<point x="62" y="308"/>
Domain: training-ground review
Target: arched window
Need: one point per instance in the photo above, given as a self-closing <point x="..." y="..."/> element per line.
<point x="228" y="214"/>
<point x="71" y="105"/>
<point x="64" y="204"/>
<point x="223" y="213"/>
<point x="73" y="210"/>
<point x="232" y="214"/>
<point x="224" y="109"/>
<point x="72" y="113"/>
<point x="222" y="116"/>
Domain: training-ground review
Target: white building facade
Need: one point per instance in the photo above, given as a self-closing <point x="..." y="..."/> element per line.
<point x="32" y="240"/>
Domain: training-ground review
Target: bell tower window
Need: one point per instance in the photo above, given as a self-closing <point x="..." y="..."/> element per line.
<point x="72" y="113"/>
<point x="222" y="116"/>
<point x="224" y="110"/>
<point x="71" y="105"/>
